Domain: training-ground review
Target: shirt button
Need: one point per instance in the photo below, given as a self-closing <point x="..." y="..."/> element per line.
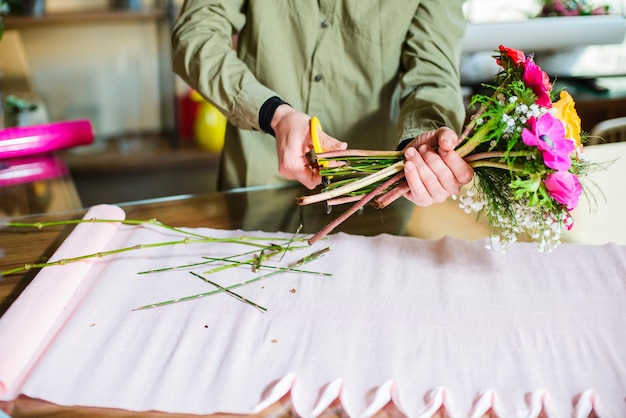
<point x="325" y="24"/>
<point x="318" y="77"/>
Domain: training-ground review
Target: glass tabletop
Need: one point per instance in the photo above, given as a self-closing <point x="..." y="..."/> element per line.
<point x="36" y="184"/>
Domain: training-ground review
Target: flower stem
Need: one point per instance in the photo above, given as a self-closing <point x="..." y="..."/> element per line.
<point x="496" y="154"/>
<point x="359" y="153"/>
<point x="358" y="205"/>
<point x="476" y="139"/>
<point x="353" y="186"/>
<point x="493" y="164"/>
<point x="481" y="133"/>
<point x="307" y="259"/>
<point x="230" y="292"/>
<point x="392" y="195"/>
<point x="187" y="240"/>
<point x="343" y="200"/>
<point x="27" y="267"/>
<point x="41" y="225"/>
<point x="264" y="266"/>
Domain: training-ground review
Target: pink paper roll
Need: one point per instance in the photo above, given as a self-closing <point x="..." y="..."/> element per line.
<point x="33" y="320"/>
<point x="37" y="139"/>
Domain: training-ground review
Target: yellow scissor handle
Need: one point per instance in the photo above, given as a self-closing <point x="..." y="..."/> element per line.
<point x="317" y="147"/>
<point x="315" y="125"/>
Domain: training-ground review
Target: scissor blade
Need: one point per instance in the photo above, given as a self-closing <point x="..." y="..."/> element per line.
<point x="314" y="125"/>
<point x="325" y="183"/>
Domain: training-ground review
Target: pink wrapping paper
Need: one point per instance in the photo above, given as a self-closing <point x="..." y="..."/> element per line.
<point x="423" y="324"/>
<point x="32" y="321"/>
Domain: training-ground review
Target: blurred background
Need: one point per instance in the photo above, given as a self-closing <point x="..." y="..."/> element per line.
<point x="109" y="61"/>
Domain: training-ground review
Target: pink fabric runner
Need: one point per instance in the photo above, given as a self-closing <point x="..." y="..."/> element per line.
<point x="423" y="324"/>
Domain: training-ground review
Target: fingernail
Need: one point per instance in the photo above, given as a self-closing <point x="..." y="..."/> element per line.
<point x="423" y="149"/>
<point x="410" y="152"/>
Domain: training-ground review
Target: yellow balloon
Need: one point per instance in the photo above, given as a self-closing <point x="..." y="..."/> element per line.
<point x="209" y="127"/>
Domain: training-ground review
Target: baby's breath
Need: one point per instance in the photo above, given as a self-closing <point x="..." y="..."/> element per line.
<point x="543" y="227"/>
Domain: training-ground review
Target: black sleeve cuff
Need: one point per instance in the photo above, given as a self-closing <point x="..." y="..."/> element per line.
<point x="266" y="113"/>
<point x="402" y="145"/>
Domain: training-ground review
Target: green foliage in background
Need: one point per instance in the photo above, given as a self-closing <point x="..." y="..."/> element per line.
<point x="4" y="9"/>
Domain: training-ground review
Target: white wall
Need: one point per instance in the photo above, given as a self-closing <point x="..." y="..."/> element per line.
<point x="107" y="71"/>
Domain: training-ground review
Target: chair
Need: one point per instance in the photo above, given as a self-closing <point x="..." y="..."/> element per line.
<point x="610" y="130"/>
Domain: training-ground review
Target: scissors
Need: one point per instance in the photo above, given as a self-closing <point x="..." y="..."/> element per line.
<point x="317" y="149"/>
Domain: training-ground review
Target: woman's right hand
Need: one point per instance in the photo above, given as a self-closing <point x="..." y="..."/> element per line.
<point x="294" y="144"/>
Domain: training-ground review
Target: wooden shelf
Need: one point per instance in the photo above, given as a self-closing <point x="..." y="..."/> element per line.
<point x="141" y="153"/>
<point x="104" y="16"/>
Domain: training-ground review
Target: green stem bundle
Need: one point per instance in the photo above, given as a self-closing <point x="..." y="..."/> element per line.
<point x="363" y="190"/>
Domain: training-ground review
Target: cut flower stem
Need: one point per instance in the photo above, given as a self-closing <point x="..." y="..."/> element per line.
<point x="265" y="248"/>
<point x="307" y="259"/>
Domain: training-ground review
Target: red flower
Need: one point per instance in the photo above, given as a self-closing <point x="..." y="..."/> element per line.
<point x="539" y="82"/>
<point x="516" y="56"/>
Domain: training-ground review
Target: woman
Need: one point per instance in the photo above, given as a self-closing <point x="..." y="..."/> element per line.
<point x="378" y="75"/>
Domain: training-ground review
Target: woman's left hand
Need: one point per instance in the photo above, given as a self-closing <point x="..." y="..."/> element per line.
<point x="433" y="170"/>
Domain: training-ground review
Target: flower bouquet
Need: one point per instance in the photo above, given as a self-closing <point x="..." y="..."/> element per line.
<point x="571" y="8"/>
<point x="526" y="149"/>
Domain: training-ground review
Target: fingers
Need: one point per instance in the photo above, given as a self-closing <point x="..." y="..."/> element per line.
<point x="447" y="139"/>
<point x="461" y="170"/>
<point x="442" y="138"/>
<point x="423" y="179"/>
<point x="295" y="165"/>
<point x="434" y="176"/>
<point x="432" y="169"/>
<point x="293" y="142"/>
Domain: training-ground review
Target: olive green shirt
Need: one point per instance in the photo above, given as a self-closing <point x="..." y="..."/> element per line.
<point x="374" y="72"/>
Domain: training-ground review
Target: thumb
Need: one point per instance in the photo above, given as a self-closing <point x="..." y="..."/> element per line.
<point x="329" y="143"/>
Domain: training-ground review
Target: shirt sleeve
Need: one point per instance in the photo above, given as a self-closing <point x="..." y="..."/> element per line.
<point x="204" y="57"/>
<point x="430" y="77"/>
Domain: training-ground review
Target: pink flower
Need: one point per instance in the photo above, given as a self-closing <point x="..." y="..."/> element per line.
<point x="564" y="187"/>
<point x="539" y="82"/>
<point x="548" y="134"/>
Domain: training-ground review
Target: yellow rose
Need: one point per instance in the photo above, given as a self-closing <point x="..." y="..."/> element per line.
<point x="566" y="113"/>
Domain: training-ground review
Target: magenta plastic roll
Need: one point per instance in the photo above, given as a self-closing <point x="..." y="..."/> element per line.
<point x="38" y="139"/>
